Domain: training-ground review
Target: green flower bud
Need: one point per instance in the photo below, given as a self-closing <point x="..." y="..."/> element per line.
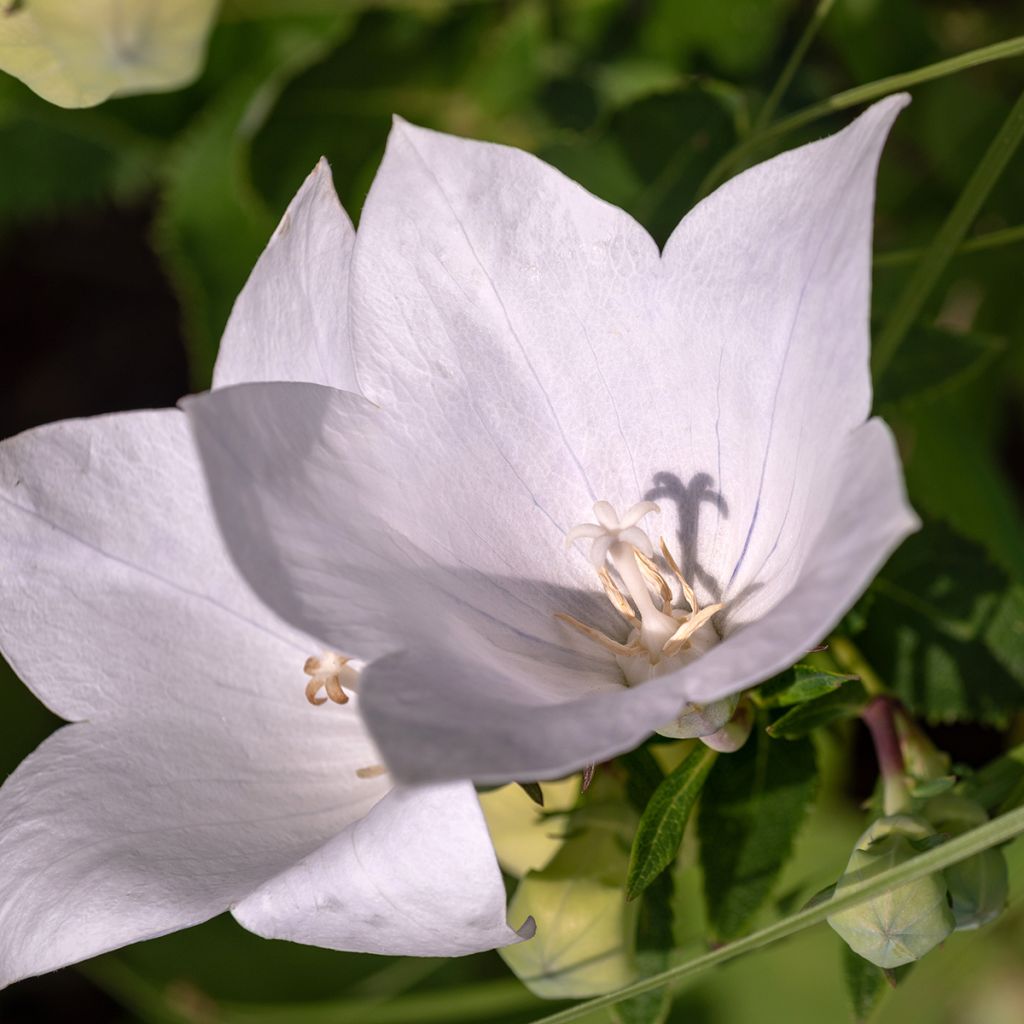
<point x="905" y="923"/>
<point x="584" y="945"/>
<point x="979" y="885"/>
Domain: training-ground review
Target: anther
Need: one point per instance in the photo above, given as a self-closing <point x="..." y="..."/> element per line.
<point x="328" y="672"/>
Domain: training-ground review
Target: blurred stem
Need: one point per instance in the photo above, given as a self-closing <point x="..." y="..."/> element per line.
<point x="177" y="1004"/>
<point x="927" y="273"/>
<point x="991" y="240"/>
<point x="878" y="717"/>
<point x="848" y="657"/>
<point x="771" y="104"/>
<point x="992" y="833"/>
<point x="860" y="94"/>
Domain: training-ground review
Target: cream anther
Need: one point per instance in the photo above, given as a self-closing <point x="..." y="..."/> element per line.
<point x="329" y="671"/>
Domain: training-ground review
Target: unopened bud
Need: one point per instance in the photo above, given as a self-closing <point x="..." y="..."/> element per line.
<point x="979" y="885"/>
<point x="903" y="924"/>
<point x="701" y="719"/>
<point x="734" y="733"/>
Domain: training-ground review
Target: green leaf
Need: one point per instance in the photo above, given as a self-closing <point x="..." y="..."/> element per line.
<point x="664" y="820"/>
<point x="984" y="837"/>
<point x="999" y="786"/>
<point x="751" y="810"/>
<point x="799" y="684"/>
<point x="931" y="362"/>
<point x="945" y="630"/>
<point x="927" y="272"/>
<point x="533" y="791"/>
<point x="844" y="702"/>
<point x="865" y="984"/>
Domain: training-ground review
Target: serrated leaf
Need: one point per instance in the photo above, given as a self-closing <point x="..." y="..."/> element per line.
<point x="844" y="702"/>
<point x="750" y="812"/>
<point x="664" y="820"/>
<point x="931" y="362"/>
<point x="945" y="630"/>
<point x="799" y="684"/>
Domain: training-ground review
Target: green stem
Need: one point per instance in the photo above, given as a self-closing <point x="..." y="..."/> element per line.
<point x="848" y="657"/>
<point x="991" y="240"/>
<point x="771" y="104"/>
<point x="992" y="833"/>
<point x="861" y="94"/>
<point x="927" y="273"/>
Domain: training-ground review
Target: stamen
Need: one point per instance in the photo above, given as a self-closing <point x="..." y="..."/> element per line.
<point x="373" y="771"/>
<point x="619" y="602"/>
<point x="623" y="650"/>
<point x="327" y="672"/>
<point x="688" y="594"/>
<point x="660" y="633"/>
<point x="681" y="637"/>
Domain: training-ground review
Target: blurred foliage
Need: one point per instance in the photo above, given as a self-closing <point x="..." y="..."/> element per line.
<point x="638" y="100"/>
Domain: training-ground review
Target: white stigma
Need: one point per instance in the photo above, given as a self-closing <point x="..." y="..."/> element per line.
<point x="666" y="635"/>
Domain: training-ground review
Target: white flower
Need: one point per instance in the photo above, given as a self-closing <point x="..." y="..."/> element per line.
<point x="77" y="54"/>
<point x="530" y="359"/>
<point x="197" y="776"/>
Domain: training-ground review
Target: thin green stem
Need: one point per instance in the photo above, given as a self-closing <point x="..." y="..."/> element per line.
<point x="927" y="273"/>
<point x="990" y="240"/>
<point x="848" y="657"/>
<point x="861" y="94"/>
<point x="992" y="833"/>
<point x="771" y="104"/>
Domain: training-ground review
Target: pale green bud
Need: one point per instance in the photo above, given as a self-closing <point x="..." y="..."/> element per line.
<point x="905" y="923"/>
<point x="584" y="945"/>
<point x="77" y="53"/>
<point x="979" y="885"/>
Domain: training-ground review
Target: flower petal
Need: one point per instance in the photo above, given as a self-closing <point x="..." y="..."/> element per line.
<point x="290" y="321"/>
<point x="120" y="831"/>
<point x="458" y="709"/>
<point x="511" y="318"/>
<point x="356" y="535"/>
<point x="416" y="877"/>
<point x="773" y="275"/>
<point x="117" y="591"/>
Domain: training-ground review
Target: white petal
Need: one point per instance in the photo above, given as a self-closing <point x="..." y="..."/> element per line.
<point x="290" y="321"/>
<point x="510" y="317"/>
<point x="117" y="591"/>
<point x="770" y="279"/>
<point x="459" y="710"/>
<point x="357" y="536"/>
<point x="416" y="877"/>
<point x="506" y="311"/>
<point x="116" y="832"/>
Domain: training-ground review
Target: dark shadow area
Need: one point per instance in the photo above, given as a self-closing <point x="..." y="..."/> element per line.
<point x="89" y="322"/>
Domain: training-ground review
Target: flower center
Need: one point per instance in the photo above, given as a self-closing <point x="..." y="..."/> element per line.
<point x="661" y="636"/>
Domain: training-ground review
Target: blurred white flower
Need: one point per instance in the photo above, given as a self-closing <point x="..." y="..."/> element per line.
<point x="197" y="777"/>
<point x="527" y="358"/>
<point x="77" y="54"/>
